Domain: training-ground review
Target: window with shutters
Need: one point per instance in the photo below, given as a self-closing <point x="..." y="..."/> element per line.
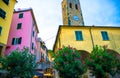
<point x="32" y="45"/>
<point x="21" y="15"/>
<point x="0" y="30"/>
<point x="104" y="35"/>
<point x="33" y="33"/>
<point x="19" y="40"/>
<point x="2" y="13"/>
<point x="6" y="1"/>
<point x="19" y="25"/>
<point x="16" y="41"/>
<point x="78" y="35"/>
<point x="33" y="23"/>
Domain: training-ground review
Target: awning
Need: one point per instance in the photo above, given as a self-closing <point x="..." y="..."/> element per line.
<point x="39" y="74"/>
<point x="8" y="47"/>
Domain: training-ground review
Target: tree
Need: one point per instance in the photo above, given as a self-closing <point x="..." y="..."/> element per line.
<point x="51" y="53"/>
<point x="67" y="62"/>
<point x="2" y="63"/>
<point x="20" y="64"/>
<point x="101" y="62"/>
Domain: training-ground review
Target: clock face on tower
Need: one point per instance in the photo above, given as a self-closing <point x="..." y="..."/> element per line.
<point x="76" y="18"/>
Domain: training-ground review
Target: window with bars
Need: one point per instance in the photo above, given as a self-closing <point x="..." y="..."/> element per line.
<point x="2" y="13"/>
<point x="78" y="35"/>
<point x="104" y="35"/>
<point x="6" y="1"/>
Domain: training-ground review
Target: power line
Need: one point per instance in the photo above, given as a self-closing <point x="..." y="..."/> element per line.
<point x="50" y="38"/>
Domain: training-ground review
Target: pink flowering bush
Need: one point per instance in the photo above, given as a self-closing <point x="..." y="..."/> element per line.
<point x="101" y="61"/>
<point x="68" y="63"/>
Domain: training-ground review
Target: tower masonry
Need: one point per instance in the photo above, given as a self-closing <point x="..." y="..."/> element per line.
<point x="71" y="13"/>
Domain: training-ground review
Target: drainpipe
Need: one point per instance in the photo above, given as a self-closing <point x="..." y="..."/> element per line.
<point x="91" y="37"/>
<point x="59" y="43"/>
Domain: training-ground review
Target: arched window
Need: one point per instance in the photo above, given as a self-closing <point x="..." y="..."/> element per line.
<point x="70" y="4"/>
<point x="76" y="6"/>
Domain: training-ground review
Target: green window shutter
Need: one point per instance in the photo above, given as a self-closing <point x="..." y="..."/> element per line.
<point x="0" y="30"/>
<point x="33" y="23"/>
<point x="16" y="41"/>
<point x="78" y="35"/>
<point x="21" y="15"/>
<point x="104" y="35"/>
<point x="2" y="13"/>
<point x="32" y="46"/>
<point x="13" y="41"/>
<point x="33" y="33"/>
<point x="6" y="1"/>
<point x="19" y="40"/>
<point x="19" y="25"/>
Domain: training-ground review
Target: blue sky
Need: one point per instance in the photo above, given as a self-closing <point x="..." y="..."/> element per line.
<point x="48" y="14"/>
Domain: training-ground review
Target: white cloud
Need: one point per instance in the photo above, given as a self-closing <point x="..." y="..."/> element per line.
<point x="99" y="12"/>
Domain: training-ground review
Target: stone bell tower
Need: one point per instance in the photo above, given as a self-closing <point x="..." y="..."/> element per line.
<point x="71" y="13"/>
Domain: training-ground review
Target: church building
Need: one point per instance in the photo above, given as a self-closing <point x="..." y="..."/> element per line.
<point x="75" y="34"/>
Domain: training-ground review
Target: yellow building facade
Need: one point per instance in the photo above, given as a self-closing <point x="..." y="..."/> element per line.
<point x="85" y="37"/>
<point x="6" y="12"/>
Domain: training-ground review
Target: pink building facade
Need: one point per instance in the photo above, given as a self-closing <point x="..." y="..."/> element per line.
<point x="23" y="31"/>
<point x="41" y="51"/>
<point x="42" y="55"/>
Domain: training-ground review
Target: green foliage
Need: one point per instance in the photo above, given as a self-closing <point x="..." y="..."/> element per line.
<point x="101" y="62"/>
<point x="52" y="53"/>
<point x="20" y="64"/>
<point x="67" y="62"/>
<point x="2" y="63"/>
